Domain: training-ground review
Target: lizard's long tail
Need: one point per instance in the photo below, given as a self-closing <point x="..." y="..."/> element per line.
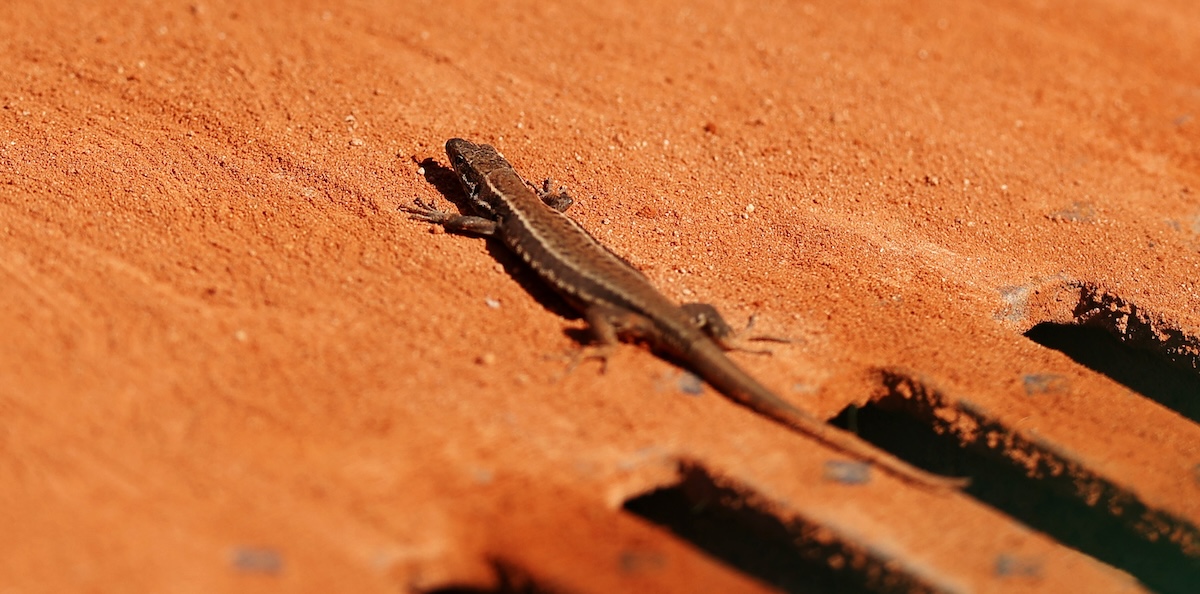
<point x="722" y="373"/>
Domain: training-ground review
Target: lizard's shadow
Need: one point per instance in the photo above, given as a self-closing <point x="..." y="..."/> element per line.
<point x="445" y="181"/>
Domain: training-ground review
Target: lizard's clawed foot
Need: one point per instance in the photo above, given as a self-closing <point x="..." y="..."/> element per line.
<point x="558" y="200"/>
<point x="709" y="320"/>
<point x="581" y="355"/>
<point x="425" y="211"/>
<point x="737" y="340"/>
<point x="589" y="352"/>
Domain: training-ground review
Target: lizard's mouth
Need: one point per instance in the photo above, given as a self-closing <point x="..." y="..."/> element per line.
<point x="471" y="187"/>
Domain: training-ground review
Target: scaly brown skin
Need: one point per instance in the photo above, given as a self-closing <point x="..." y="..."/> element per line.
<point x="619" y="302"/>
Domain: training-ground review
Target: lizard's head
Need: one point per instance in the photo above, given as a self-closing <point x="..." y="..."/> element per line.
<point x="472" y="162"/>
<point x="462" y="153"/>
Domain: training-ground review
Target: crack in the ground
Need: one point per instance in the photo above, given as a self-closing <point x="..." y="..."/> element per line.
<point x="739" y="527"/>
<point x="1031" y="480"/>
<point x="1147" y="353"/>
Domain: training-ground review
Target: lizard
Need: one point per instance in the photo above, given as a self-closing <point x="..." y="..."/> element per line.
<point x="617" y="301"/>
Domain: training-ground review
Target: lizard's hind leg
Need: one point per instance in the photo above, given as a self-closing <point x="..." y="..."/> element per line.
<point x="709" y="320"/>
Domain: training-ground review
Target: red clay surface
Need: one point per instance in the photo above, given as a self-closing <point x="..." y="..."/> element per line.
<point x="229" y="364"/>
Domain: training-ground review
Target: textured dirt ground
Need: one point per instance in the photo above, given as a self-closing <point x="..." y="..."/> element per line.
<point x="228" y="363"/>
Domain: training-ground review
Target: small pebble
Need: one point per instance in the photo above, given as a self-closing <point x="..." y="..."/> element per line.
<point x="257" y="560"/>
<point x="1017" y="566"/>
<point x="848" y="472"/>
<point x="690" y="383"/>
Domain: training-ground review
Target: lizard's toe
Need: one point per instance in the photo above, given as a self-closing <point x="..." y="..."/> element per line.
<point x="591" y="352"/>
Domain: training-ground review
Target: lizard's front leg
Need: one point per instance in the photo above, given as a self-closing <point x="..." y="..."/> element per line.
<point x="455" y="223"/>
<point x="558" y="200"/>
